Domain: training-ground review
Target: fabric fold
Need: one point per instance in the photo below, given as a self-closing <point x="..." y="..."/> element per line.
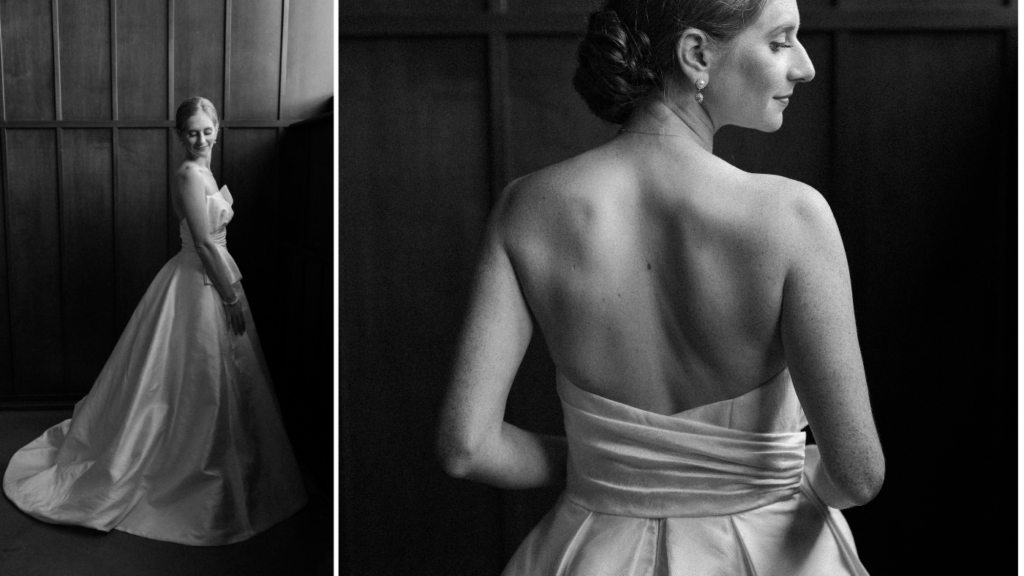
<point x="630" y="462"/>
<point x="719" y="489"/>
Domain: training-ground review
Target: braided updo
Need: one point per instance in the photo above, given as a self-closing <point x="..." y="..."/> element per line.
<point x="630" y="47"/>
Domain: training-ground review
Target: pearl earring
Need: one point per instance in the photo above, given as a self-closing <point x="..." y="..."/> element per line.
<point x="700" y="86"/>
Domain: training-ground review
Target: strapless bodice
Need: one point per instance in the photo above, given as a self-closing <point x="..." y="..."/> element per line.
<point x="701" y="462"/>
<point x="219" y="214"/>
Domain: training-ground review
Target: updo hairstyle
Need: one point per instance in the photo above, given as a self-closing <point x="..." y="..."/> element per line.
<point x="190" y="108"/>
<point x="630" y="47"/>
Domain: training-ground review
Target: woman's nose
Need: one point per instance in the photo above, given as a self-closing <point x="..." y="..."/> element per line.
<point x="803" y="68"/>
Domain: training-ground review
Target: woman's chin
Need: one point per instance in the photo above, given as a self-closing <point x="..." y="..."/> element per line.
<point x="771" y="124"/>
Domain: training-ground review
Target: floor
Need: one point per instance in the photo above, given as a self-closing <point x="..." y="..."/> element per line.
<point x="301" y="545"/>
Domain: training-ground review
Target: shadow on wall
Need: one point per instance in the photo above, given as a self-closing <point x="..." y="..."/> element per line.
<point x="303" y="311"/>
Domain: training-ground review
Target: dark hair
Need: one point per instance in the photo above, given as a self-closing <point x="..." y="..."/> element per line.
<point x="190" y="108"/>
<point x="630" y="47"/>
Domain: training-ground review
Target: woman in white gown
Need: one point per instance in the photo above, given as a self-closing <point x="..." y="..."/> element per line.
<point x="694" y="313"/>
<point x="180" y="438"/>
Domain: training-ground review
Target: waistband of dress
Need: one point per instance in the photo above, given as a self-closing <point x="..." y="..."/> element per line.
<point x="628" y="462"/>
<point x="687" y="499"/>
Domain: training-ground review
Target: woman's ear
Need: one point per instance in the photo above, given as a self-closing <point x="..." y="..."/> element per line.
<point x="692" y="54"/>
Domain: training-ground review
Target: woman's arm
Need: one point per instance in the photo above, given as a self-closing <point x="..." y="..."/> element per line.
<point x="473" y="439"/>
<point x="191" y="190"/>
<point x="819" y="335"/>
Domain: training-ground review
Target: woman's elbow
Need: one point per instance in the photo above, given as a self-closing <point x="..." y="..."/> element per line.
<point x="455" y="454"/>
<point x="868" y="485"/>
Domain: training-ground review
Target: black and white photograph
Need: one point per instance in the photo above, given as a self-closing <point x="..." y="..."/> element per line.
<point x="683" y="287"/>
<point x="167" y="388"/>
<point x="511" y="288"/>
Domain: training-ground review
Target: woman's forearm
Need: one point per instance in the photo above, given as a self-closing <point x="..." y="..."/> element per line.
<point x="216" y="269"/>
<point x="515" y="458"/>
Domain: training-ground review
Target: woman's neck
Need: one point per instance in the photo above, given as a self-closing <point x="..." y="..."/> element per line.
<point x="665" y="116"/>
<point x="201" y="161"/>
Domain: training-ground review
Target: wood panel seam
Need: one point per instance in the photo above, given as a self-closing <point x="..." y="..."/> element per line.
<point x="170" y="60"/>
<point x="57" y="102"/>
<point x="113" y="61"/>
<point x="227" y="59"/>
<point x="283" y="69"/>
<point x="3" y="81"/>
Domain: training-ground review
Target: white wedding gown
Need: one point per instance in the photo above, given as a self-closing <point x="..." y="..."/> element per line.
<point x="180" y="438"/>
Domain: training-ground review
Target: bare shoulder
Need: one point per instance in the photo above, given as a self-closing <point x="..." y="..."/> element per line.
<point x="189" y="175"/>
<point x="800" y="216"/>
<point x="191" y="179"/>
<point x="794" y="206"/>
<point x="538" y="199"/>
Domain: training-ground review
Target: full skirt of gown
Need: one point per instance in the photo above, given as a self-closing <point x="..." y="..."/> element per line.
<point x="180" y="438"/>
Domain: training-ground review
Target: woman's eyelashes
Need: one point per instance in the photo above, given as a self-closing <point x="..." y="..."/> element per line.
<point x="776" y="46"/>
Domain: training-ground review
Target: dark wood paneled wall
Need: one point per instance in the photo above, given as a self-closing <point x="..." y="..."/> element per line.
<point x="908" y="132"/>
<point x="87" y="150"/>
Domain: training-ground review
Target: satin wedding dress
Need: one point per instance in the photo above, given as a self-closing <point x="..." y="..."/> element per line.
<point x="716" y="490"/>
<point x="180" y="438"/>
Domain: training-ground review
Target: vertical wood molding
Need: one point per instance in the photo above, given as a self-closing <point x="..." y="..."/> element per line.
<point x="113" y="65"/>
<point x="55" y="20"/>
<point x="224" y="114"/>
<point x="3" y="87"/>
<point x="170" y="115"/>
<point x="283" y="69"/>
<point x="170" y="60"/>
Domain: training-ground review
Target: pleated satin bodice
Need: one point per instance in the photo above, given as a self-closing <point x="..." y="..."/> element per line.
<point x="701" y="462"/>
<point x="219" y="214"/>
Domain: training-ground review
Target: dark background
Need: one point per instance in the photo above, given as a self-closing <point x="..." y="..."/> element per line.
<point x="909" y="131"/>
<point x="86" y="153"/>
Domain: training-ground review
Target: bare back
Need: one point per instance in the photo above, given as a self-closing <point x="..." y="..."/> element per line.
<point x="655" y="274"/>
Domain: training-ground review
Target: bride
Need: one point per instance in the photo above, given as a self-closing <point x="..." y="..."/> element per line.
<point x="694" y="313"/>
<point x="180" y="438"/>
